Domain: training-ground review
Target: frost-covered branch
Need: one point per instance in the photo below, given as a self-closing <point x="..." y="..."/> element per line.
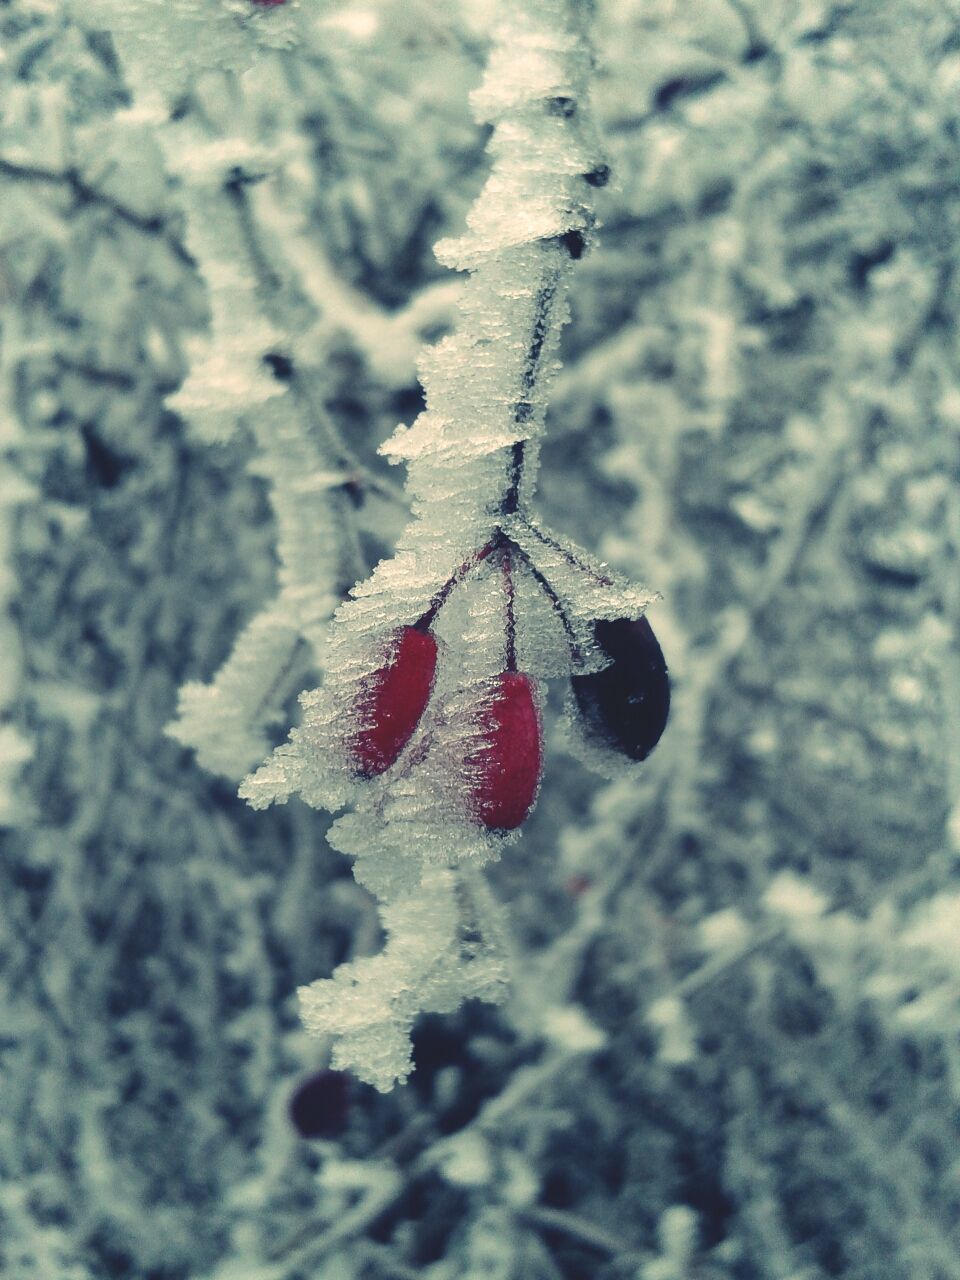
<point x="727" y="1038"/>
<point x="84" y="192"/>
<point x="507" y="600"/>
<point x="15" y="747"/>
<point x="255" y="366"/>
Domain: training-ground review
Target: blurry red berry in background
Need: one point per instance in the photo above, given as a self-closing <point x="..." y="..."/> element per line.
<point x="505" y="769"/>
<point x="576" y="886"/>
<point x="625" y="706"/>
<point x="320" y="1105"/>
<point x="392" y="701"/>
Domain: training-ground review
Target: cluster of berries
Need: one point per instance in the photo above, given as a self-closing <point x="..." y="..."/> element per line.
<point x="622" y="707"/>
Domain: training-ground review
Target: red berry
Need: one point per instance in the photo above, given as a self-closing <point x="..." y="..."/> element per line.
<point x="506" y="767"/>
<point x="320" y="1106"/>
<point x="577" y="886"/>
<point x="625" y="706"/>
<point x="392" y="702"/>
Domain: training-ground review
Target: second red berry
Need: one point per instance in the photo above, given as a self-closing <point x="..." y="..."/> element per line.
<point x="505" y="768"/>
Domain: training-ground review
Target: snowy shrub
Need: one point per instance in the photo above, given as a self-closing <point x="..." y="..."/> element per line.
<point x="684" y="1012"/>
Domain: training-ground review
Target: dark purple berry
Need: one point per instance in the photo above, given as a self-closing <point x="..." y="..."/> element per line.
<point x="625" y="706"/>
<point x="320" y="1106"/>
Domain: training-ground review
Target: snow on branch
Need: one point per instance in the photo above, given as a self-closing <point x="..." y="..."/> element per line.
<point x="165" y="44"/>
<point x="15" y="490"/>
<point x="252" y="366"/>
<point x="428" y="723"/>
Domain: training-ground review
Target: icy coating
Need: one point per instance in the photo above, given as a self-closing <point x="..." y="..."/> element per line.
<point x="729" y="1048"/>
<point x="164" y="44"/>
<point x="471" y="461"/>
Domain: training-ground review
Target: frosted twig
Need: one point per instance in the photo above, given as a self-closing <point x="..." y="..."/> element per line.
<point x="441" y="597"/>
<point x="83" y="193"/>
<point x="315" y="527"/>
<point x="286" y="368"/>
<point x="578" y="1228"/>
<point x="471" y="461"/>
<point x="949" y="585"/>
<point x="359" y="477"/>
<point x="389" y="342"/>
<point x="576" y="561"/>
<point x="717" y="967"/>
<point x="307" y="1250"/>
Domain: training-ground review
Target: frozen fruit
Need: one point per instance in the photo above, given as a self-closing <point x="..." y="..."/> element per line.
<point x="504" y="769"/>
<point x="320" y="1105"/>
<point x="392" y="701"/>
<point x="625" y="706"/>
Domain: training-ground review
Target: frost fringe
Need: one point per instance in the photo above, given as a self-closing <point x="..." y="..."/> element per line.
<point x="471" y="459"/>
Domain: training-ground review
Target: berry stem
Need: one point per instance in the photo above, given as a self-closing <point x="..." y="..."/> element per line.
<point x="298" y="653"/>
<point x="576" y="653"/>
<point x="426" y="620"/>
<point x="568" y="555"/>
<point x="511" y="629"/>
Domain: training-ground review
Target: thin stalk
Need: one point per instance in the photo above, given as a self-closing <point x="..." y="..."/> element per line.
<point x="568" y="555"/>
<point x="523" y="409"/>
<point x="298" y="651"/>
<point x="425" y="621"/>
<point x="511" y="628"/>
<point x="84" y="194"/>
<point x="576" y="653"/>
<point x="271" y="284"/>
